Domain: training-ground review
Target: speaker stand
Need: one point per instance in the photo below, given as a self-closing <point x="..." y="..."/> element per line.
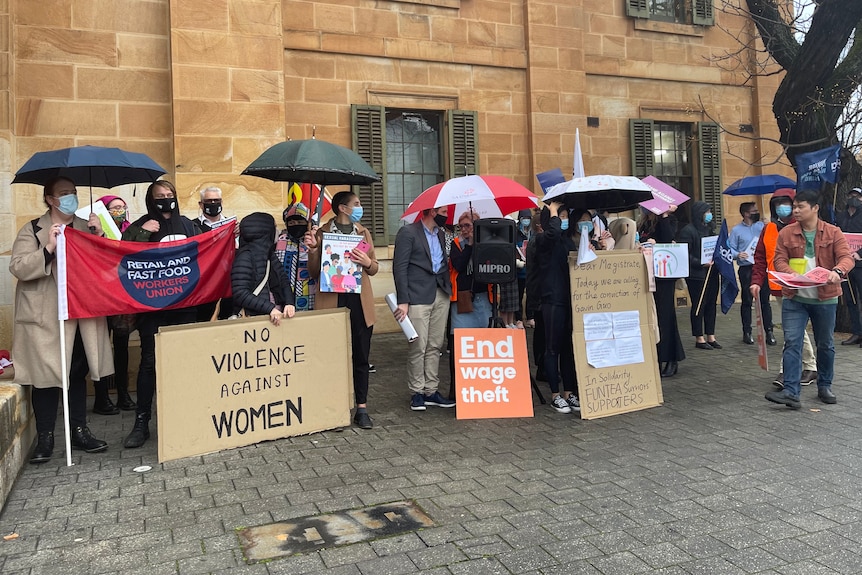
<point x="495" y="320"/>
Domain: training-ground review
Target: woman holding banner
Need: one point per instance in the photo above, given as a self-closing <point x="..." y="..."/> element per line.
<point x="702" y="280"/>
<point x="36" y="346"/>
<point x="161" y="223"/>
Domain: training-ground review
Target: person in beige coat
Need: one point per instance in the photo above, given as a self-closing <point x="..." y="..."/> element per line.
<point x="348" y="212"/>
<point x="36" y="337"/>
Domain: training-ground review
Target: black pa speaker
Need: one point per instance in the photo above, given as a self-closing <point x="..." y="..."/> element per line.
<point x="494" y="251"/>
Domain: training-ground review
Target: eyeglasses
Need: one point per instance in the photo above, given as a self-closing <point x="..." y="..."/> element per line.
<point x="119" y="210"/>
<point x="465" y="226"/>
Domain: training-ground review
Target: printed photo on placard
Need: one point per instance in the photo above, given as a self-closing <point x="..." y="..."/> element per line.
<point x="338" y="272"/>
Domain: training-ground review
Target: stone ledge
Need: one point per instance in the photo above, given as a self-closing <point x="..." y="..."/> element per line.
<point x="17" y="431"/>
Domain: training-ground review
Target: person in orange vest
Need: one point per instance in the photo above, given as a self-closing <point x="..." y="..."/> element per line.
<point x="781" y="208"/>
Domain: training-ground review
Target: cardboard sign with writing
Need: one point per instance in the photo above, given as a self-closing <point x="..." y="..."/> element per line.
<point x="229" y="384"/>
<point x="492" y="373"/>
<point x="707" y="249"/>
<point x="614" y="335"/>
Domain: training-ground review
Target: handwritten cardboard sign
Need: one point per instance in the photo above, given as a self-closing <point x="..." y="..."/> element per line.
<point x="492" y="374"/>
<point x="612" y="291"/>
<point x="229" y="384"/>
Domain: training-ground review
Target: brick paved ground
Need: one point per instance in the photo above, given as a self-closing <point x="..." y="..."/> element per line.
<point x="716" y="481"/>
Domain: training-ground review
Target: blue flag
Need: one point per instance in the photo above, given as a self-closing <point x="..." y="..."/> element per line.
<point x="722" y="261"/>
<point x="816" y="167"/>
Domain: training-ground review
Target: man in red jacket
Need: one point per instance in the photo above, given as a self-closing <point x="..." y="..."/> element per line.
<point x="831" y="251"/>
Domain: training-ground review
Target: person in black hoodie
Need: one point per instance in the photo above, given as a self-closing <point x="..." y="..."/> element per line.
<point x="552" y="247"/>
<point x="256" y="269"/>
<point x="161" y="223"/>
<point x="703" y="319"/>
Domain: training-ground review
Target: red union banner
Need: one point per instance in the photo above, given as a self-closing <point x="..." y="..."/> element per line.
<point x="106" y="277"/>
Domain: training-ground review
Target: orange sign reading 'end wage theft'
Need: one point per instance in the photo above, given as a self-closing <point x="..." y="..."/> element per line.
<point x="492" y="374"/>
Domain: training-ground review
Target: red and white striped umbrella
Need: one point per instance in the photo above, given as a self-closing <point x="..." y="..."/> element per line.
<point x="489" y="196"/>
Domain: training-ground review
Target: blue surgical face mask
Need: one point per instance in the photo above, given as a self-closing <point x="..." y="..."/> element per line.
<point x="68" y="204"/>
<point x="585" y="227"/>
<point x="707" y="218"/>
<point x="783" y="211"/>
<point x="356" y="214"/>
<point x="564" y="225"/>
<point x="637" y="238"/>
<point x="525" y="223"/>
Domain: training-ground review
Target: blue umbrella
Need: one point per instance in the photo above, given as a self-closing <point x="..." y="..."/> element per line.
<point x="759" y="185"/>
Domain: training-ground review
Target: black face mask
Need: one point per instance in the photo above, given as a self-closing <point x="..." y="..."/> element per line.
<point x="296" y="232"/>
<point x="754" y="217"/>
<point x="854" y="203"/>
<point x="165" y="205"/>
<point x="440" y="220"/>
<point x="212" y="209"/>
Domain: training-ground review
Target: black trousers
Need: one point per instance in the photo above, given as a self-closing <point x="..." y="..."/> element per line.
<point x="559" y="353"/>
<point x="148" y="326"/>
<point x="361" y="344"/>
<point x="670" y="344"/>
<point x="747" y="299"/>
<point x="46" y="400"/>
<point x="703" y="322"/>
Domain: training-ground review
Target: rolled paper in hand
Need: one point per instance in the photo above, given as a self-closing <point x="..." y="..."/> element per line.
<point x="406" y="324"/>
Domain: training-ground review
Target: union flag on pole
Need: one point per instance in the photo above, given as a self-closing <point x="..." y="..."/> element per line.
<point x="308" y="195"/>
<point x="101" y="277"/>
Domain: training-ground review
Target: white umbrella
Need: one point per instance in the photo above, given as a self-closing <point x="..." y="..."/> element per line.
<point x="605" y="192"/>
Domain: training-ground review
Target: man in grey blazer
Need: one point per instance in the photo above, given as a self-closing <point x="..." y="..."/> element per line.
<point x="423" y="288"/>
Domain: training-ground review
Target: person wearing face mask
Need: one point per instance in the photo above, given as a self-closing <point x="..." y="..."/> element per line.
<point x="423" y="289"/>
<point x="212" y="212"/>
<point x="36" y="345"/>
<point x="553" y="245"/>
<point x="781" y="207"/>
<point x="348" y="212"/>
<point x="292" y="252"/>
<point x="850" y="222"/>
<point x="161" y="223"/>
<point x="742" y="237"/>
<point x="702" y="284"/>
<point x="522" y="238"/>
<point x="120" y="327"/>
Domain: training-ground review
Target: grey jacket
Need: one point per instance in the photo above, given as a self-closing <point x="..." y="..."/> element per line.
<point x="415" y="282"/>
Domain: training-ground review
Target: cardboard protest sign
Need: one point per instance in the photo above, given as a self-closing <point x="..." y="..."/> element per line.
<point x="762" y="354"/>
<point x="492" y="374"/>
<point x="614" y="337"/>
<point x="664" y="196"/>
<point x="234" y="383"/>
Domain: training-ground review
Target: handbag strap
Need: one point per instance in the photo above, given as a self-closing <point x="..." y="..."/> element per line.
<point x="265" y="279"/>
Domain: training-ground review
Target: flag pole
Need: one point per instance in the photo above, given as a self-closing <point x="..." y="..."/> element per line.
<point x="63" y="308"/>
<point x="703" y="291"/>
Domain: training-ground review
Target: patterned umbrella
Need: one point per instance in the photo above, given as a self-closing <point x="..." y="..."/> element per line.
<point x="489" y="196"/>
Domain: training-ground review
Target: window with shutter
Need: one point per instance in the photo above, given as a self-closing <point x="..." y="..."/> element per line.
<point x="702" y="13"/>
<point x="641" y="142"/>
<point x="370" y="143"/>
<point x="463" y="144"/>
<point x="710" y="166"/>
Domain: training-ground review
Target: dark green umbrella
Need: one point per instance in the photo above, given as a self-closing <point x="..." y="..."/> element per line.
<point x="312" y="161"/>
<point x="315" y="162"/>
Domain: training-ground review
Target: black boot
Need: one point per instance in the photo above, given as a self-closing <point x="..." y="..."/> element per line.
<point x="140" y="432"/>
<point x="124" y="400"/>
<point x="82" y="439"/>
<point x="44" y="447"/>
<point x="103" y="404"/>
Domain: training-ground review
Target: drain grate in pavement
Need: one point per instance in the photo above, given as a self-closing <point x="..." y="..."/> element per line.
<point x="319" y="531"/>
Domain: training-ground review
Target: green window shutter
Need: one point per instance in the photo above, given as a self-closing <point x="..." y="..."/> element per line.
<point x="463" y="142"/>
<point x="702" y="13"/>
<point x="708" y="134"/>
<point x="643" y="159"/>
<point x="637" y="8"/>
<point x="369" y="141"/>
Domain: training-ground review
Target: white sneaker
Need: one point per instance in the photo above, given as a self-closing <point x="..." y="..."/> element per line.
<point x="561" y="405"/>
<point x="574" y="403"/>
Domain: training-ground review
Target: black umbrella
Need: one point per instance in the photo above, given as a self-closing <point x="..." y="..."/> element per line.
<point x="611" y="193"/>
<point x="312" y="161"/>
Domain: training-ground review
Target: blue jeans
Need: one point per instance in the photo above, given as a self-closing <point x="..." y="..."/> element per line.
<point x="794" y="318"/>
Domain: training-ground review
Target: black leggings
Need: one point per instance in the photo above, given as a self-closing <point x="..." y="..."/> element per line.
<point x="703" y="322"/>
<point x="361" y="344"/>
<point x="46" y="399"/>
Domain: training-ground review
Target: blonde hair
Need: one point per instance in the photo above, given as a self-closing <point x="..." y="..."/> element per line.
<point x="467" y="214"/>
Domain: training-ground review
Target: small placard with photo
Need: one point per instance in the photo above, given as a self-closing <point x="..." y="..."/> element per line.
<point x="338" y="272"/>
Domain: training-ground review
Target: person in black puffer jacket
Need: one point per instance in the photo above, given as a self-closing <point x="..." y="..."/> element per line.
<point x="256" y="248"/>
